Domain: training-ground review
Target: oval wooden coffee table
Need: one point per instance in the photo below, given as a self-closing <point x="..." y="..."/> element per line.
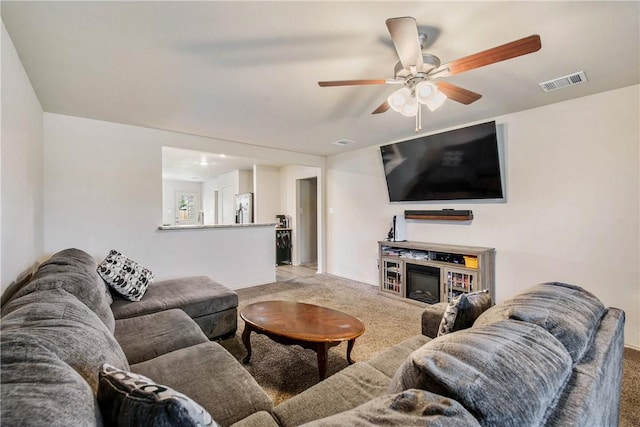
<point x="307" y="325"/>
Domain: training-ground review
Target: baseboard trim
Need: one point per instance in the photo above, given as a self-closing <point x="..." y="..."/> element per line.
<point x="352" y="278"/>
<point x="633" y="347"/>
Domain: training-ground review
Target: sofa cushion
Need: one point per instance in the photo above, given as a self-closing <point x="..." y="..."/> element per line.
<point x="39" y="389"/>
<point x="463" y="310"/>
<point x="211" y="376"/>
<point x="74" y="271"/>
<point x="68" y="328"/>
<point x="222" y="324"/>
<point x="125" y="276"/>
<point x="568" y="312"/>
<point x="259" y="419"/>
<point x="389" y="360"/>
<point x="151" y="335"/>
<point x="408" y="408"/>
<point x="197" y="296"/>
<point x="342" y="391"/>
<point x="508" y="373"/>
<point x="128" y="399"/>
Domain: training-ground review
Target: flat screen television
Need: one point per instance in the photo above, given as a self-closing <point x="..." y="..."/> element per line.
<point x="462" y="164"/>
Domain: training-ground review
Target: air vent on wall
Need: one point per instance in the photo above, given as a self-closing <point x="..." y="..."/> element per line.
<point x="343" y="142"/>
<point x="562" y="82"/>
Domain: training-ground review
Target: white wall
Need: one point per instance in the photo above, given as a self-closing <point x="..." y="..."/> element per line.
<point x="266" y="183"/>
<point x="229" y="186"/>
<point x="209" y="202"/>
<point x="245" y="181"/>
<point x="572" y="210"/>
<point x="103" y="190"/>
<point x="21" y="170"/>
<point x="169" y="189"/>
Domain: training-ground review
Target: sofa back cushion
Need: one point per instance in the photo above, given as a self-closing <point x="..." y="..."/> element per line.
<point x="66" y="327"/>
<point x="40" y="389"/>
<point x="508" y="373"/>
<point x="567" y="312"/>
<point x="74" y="271"/>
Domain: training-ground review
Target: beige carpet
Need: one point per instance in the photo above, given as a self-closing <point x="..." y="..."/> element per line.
<point x="284" y="371"/>
<point x="630" y="402"/>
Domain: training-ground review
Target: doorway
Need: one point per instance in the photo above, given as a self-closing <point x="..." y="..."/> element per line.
<point x="307" y="221"/>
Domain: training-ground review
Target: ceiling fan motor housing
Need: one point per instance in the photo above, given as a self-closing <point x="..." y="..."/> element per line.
<point x="430" y="63"/>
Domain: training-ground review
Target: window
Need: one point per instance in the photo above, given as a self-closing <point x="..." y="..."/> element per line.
<point x="186" y="208"/>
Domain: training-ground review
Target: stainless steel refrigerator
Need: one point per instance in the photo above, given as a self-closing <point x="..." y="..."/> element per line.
<point x="244" y="208"/>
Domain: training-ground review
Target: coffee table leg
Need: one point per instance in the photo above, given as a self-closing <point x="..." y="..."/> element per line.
<point x="322" y="351"/>
<point x="247" y="342"/>
<point x="350" y="345"/>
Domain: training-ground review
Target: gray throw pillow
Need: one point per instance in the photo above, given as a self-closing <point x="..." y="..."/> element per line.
<point x="128" y="399"/>
<point x="125" y="276"/>
<point x="463" y="310"/>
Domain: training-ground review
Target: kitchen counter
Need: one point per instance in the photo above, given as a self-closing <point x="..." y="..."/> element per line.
<point x="210" y="226"/>
<point x="235" y="255"/>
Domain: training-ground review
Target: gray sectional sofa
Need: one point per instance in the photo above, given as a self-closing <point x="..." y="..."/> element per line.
<point x="551" y="355"/>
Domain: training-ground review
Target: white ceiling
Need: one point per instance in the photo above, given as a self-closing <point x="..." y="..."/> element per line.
<point x="248" y="71"/>
<point x="189" y="165"/>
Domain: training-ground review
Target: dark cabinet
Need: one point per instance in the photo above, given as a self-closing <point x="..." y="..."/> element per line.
<point x="283" y="246"/>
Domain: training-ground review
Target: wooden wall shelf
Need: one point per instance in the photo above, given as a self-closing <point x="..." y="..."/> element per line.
<point x="441" y="215"/>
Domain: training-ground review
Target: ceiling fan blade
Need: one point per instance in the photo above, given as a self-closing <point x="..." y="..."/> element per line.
<point x="457" y="93"/>
<point x="352" y="82"/>
<point x="382" y="108"/>
<point x="404" y="34"/>
<point x="491" y="56"/>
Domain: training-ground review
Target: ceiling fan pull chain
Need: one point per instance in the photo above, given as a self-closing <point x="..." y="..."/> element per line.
<point x="419" y="118"/>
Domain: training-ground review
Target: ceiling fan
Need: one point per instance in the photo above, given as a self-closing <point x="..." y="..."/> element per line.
<point x="417" y="71"/>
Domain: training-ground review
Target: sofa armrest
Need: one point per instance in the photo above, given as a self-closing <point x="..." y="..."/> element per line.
<point x="431" y="318"/>
<point x="151" y="335"/>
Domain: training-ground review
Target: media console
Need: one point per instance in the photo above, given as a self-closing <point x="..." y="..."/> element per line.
<point x="430" y="272"/>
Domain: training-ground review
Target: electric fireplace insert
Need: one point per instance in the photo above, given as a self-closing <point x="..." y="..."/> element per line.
<point x="423" y="283"/>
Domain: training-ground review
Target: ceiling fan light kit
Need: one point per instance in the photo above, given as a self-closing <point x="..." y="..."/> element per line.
<point x="408" y="102"/>
<point x="409" y="109"/>
<point x="437" y="101"/>
<point x="403" y="102"/>
<point x="427" y="93"/>
<point x="417" y="71"/>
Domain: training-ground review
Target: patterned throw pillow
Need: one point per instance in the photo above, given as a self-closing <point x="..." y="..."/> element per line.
<point x="125" y="276"/>
<point x="128" y="399"/>
<point x="463" y="310"/>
